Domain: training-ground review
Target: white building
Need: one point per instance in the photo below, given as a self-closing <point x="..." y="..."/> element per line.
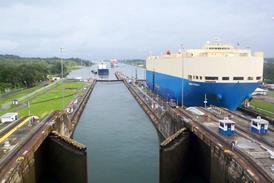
<point x="259" y="91"/>
<point x="55" y="78"/>
<point x="269" y="86"/>
<point x="9" y="117"/>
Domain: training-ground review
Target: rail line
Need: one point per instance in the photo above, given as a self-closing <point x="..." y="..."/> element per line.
<point x="16" y="151"/>
<point x="239" y="153"/>
<point x="4" y="130"/>
<point x="242" y="126"/>
<point x="270" y="127"/>
<point x="13" y="129"/>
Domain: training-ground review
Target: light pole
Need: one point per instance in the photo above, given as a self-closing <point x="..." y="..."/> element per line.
<point x="181" y="52"/>
<point x="29" y="107"/>
<point x="205" y="101"/>
<point x="62" y="75"/>
<point x="136" y="76"/>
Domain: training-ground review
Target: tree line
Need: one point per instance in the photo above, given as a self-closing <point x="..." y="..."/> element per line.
<point x="16" y="72"/>
<point x="269" y="73"/>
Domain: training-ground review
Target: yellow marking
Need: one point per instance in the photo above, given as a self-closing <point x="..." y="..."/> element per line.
<point x="227" y="151"/>
<point x="4" y="137"/>
<point x="20" y="158"/>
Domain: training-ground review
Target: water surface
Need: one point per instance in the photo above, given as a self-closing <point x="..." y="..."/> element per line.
<point x="122" y="143"/>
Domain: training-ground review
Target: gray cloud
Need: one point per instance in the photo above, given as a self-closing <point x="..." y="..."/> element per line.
<point x="129" y="29"/>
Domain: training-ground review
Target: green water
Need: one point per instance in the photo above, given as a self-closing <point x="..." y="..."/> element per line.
<point x="123" y="145"/>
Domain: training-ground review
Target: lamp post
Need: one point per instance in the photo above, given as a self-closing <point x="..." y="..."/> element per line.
<point x="205" y="101"/>
<point x="181" y="52"/>
<point x="28" y="107"/>
<point x="62" y="77"/>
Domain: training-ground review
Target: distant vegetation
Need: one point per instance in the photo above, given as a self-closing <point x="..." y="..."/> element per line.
<point x="136" y="62"/>
<point x="269" y="72"/>
<point x="17" y="72"/>
<point x="269" y="60"/>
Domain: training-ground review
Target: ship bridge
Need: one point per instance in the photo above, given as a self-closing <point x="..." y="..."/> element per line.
<point x="221" y="50"/>
<point x="211" y="50"/>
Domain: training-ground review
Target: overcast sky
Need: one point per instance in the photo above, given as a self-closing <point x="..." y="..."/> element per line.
<point x="97" y="29"/>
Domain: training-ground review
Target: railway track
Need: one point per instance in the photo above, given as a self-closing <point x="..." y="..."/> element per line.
<point x="16" y="150"/>
<point x="242" y="125"/>
<point x="261" y="174"/>
<point x="270" y="127"/>
<point x="10" y="126"/>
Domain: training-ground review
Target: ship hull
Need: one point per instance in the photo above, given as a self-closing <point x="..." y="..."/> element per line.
<point x="103" y="72"/>
<point x="228" y="95"/>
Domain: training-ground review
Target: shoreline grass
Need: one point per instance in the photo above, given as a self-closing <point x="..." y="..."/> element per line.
<point x="52" y="100"/>
<point x="264" y="107"/>
<point x="48" y="100"/>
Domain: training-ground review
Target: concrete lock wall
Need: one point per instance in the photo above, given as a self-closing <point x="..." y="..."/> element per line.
<point x="184" y="156"/>
<point x="200" y="158"/>
<point x="169" y="124"/>
<point x="219" y="172"/>
<point x="61" y="160"/>
<point x="174" y="157"/>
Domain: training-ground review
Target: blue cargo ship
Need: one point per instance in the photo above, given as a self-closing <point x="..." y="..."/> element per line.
<point x="219" y="74"/>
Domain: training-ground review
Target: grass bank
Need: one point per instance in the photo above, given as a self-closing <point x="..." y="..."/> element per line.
<point x="52" y="100"/>
<point x="266" y="108"/>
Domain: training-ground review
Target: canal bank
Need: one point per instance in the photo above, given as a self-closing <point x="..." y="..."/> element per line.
<point x="122" y="144"/>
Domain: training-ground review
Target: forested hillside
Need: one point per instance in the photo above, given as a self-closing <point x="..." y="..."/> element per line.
<point x="18" y="71"/>
<point x="269" y="72"/>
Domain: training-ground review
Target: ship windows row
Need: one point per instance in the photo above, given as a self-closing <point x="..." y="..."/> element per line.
<point x="219" y="48"/>
<point x="215" y="78"/>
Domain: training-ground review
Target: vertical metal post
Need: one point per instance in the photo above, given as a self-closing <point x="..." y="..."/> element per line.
<point x="29" y="107"/>
<point x="205" y="101"/>
<point x="62" y="75"/>
<point x="182" y="74"/>
<point x="136" y="75"/>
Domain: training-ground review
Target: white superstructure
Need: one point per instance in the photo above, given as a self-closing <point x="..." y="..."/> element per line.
<point x="213" y="62"/>
<point x="102" y="66"/>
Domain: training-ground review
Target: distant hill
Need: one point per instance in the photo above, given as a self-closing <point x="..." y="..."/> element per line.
<point x="21" y="72"/>
<point x="9" y="57"/>
<point x="15" y="58"/>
